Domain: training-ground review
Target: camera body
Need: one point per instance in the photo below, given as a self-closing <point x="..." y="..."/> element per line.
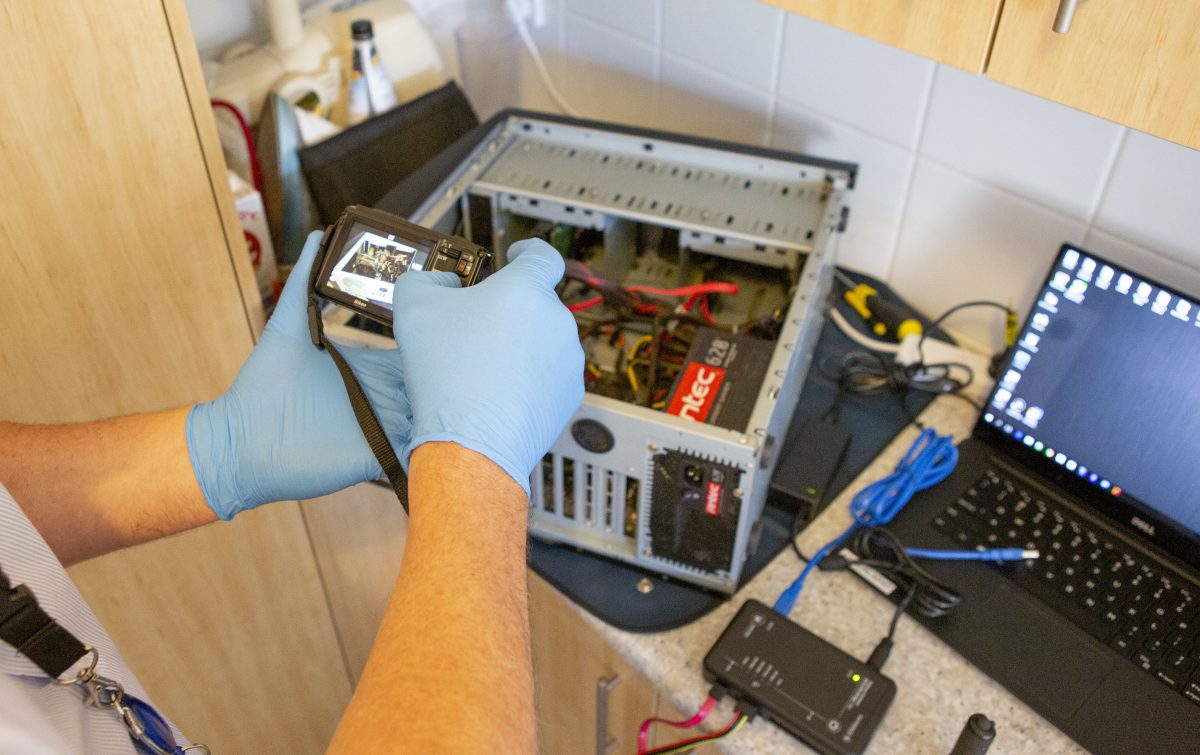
<point x="366" y="250"/>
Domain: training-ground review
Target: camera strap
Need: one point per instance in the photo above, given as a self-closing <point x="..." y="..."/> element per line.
<point x="368" y="422"/>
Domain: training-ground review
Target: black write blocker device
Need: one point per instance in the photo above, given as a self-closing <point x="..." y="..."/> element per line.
<point x="775" y="668"/>
<point x="366" y="250"/>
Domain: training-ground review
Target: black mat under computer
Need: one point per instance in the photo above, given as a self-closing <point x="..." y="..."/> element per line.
<point x="1088" y="450"/>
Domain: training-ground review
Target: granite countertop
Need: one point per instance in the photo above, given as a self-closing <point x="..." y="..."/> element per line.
<point x="937" y="689"/>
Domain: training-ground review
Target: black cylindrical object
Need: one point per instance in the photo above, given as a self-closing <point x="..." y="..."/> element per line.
<point x="977" y="736"/>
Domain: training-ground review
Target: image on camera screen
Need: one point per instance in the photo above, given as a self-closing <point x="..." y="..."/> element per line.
<point x="370" y="266"/>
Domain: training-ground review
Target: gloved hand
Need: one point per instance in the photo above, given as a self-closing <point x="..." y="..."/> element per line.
<point x="495" y="367"/>
<point x="284" y="429"/>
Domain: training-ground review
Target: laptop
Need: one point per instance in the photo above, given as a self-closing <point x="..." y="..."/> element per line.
<point x="1087" y="449"/>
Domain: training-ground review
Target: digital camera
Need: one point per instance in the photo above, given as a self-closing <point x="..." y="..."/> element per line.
<point x="366" y="250"/>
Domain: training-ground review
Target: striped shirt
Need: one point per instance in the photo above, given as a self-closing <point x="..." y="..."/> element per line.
<point x="36" y="716"/>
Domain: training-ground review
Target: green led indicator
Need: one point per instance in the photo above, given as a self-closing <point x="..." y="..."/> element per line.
<point x="855" y="678"/>
<point x="811" y="491"/>
<point x="1049" y="453"/>
<point x="1038" y="445"/>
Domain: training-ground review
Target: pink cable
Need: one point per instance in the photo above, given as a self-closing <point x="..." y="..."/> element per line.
<point x="644" y="731"/>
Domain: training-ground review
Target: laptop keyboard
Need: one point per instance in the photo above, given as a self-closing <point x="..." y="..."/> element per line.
<point x="1147" y="615"/>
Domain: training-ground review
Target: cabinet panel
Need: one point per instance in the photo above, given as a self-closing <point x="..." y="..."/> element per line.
<point x="120" y="272"/>
<point x="955" y="33"/>
<point x="358" y="535"/>
<point x="1134" y="63"/>
<point x="119" y="290"/>
<point x="228" y="629"/>
<point x="569" y="658"/>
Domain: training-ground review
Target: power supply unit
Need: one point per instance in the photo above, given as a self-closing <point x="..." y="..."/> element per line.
<point x="698" y="273"/>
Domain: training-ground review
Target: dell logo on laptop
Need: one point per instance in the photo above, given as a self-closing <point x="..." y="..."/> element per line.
<point x="1142" y="525"/>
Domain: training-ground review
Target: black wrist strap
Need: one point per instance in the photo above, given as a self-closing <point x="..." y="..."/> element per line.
<point x="368" y="422"/>
<point x="29" y="629"/>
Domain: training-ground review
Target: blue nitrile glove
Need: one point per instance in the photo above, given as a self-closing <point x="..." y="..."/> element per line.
<point x="495" y="367"/>
<point x="285" y="430"/>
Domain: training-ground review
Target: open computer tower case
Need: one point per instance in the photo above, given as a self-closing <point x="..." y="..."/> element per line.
<point x="627" y="479"/>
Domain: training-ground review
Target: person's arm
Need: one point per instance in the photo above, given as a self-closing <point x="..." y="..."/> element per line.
<point x="450" y="668"/>
<point x="493" y="372"/>
<point x="283" y="431"/>
<point x="98" y="486"/>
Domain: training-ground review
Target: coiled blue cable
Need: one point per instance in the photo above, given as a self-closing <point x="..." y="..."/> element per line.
<point x="929" y="460"/>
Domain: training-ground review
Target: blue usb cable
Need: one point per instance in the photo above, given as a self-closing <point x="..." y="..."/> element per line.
<point x="929" y="460"/>
<point x="991" y="554"/>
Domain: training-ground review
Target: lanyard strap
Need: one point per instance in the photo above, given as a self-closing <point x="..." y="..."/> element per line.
<point x="29" y="629"/>
<point x="368" y="422"/>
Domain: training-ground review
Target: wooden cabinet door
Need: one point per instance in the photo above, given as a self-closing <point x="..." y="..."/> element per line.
<point x="1132" y="62"/>
<point x="121" y="276"/>
<point x="570" y="659"/>
<point x="957" y="33"/>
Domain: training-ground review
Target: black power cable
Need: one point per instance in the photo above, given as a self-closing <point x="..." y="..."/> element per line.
<point x="879" y="549"/>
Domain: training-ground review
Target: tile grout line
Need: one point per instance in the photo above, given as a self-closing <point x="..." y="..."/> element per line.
<point x="721" y="76"/>
<point x="561" y="30"/>
<point x="776" y="76"/>
<point x="656" y="62"/>
<point x="656" y="68"/>
<point x="841" y="122"/>
<point x="914" y="153"/>
<point x="1110" y="168"/>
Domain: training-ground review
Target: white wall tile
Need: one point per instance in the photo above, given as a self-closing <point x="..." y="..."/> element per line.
<point x="607" y="75"/>
<point x="635" y="18"/>
<point x="1153" y="199"/>
<point x="880" y="185"/>
<point x="962" y="239"/>
<point x="735" y="37"/>
<point x="877" y="88"/>
<point x="1151" y="264"/>
<point x="1048" y="152"/>
<point x="693" y="100"/>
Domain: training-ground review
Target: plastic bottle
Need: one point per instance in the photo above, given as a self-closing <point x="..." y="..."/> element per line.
<point x="370" y="91"/>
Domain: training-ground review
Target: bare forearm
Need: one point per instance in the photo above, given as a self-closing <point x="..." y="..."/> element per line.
<point x="450" y="670"/>
<point x="94" y="487"/>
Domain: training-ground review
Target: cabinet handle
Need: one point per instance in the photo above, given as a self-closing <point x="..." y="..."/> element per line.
<point x="1066" y="12"/>
<point x="604" y="745"/>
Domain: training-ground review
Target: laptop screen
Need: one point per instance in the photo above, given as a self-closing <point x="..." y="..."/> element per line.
<point x="1104" y="383"/>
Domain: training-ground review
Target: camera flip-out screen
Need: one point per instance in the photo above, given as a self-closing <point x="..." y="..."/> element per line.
<point x="366" y="250"/>
<point x="371" y="262"/>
